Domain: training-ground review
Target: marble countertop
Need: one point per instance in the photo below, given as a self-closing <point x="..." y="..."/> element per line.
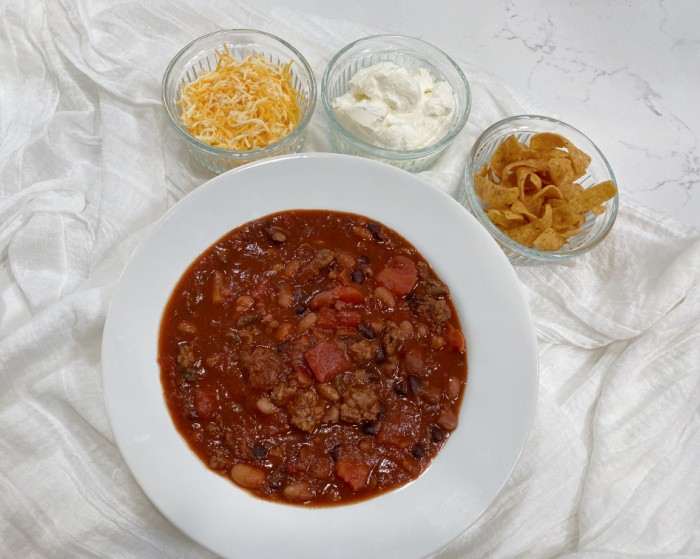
<point x="627" y="74"/>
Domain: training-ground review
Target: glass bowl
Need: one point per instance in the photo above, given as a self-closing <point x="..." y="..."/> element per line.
<point x="200" y="56"/>
<point x="405" y="52"/>
<point x="595" y="228"/>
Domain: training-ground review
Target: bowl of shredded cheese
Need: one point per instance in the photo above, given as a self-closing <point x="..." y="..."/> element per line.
<point x="239" y="95"/>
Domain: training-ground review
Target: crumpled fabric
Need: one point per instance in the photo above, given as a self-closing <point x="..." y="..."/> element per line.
<point x="88" y="164"/>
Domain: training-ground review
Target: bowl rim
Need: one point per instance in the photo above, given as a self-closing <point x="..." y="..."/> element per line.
<point x="270" y="149"/>
<point x="407" y="154"/>
<point x="502" y="238"/>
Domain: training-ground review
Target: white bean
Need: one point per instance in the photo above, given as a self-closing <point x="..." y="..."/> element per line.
<point x="248" y="476"/>
<point x="301" y="491"/>
<point x="385" y="296"/>
<point x="453" y="388"/>
<point x="265" y="406"/>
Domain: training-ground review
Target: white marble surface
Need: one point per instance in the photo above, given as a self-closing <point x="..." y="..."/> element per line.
<point x="625" y="73"/>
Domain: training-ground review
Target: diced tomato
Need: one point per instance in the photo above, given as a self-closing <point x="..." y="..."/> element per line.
<point x="205" y="402"/>
<point x="332" y="319"/>
<point x="345" y="293"/>
<point x="352" y="472"/>
<point x="454" y="338"/>
<point x="349" y="294"/>
<point x="399" y="275"/>
<point x="326" y="360"/>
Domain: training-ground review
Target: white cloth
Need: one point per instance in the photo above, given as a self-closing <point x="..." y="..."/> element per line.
<point x="88" y="164"/>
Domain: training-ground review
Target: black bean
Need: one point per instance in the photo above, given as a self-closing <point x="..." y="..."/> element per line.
<point x="363" y="260"/>
<point x="412" y="302"/>
<point x="259" y="451"/>
<point x="187" y="374"/>
<point x="247" y="319"/>
<point x="300" y="308"/>
<point x="366" y="330"/>
<point x="379" y="355"/>
<point x="370" y="427"/>
<point x="357" y="276"/>
<point x="374" y="229"/>
<point x="437" y="434"/>
<point x="401" y="387"/>
<point x="417" y="451"/>
<point x="335" y="452"/>
<point x="414" y="383"/>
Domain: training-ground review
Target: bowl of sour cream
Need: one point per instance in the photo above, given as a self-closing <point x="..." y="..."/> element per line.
<point x="395" y="99"/>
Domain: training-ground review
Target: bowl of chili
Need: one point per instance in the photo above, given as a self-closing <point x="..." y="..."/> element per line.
<point x="318" y="381"/>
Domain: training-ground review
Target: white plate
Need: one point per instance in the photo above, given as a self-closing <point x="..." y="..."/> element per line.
<point x="496" y="413"/>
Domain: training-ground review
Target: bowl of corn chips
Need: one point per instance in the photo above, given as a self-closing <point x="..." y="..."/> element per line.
<point x="542" y="189"/>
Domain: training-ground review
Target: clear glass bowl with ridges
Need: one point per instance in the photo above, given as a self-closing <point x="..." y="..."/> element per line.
<point x="406" y="52"/>
<point x="595" y="228"/>
<point x="200" y="56"/>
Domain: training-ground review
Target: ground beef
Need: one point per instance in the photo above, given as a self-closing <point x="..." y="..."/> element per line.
<point x="362" y="352"/>
<point x="264" y="368"/>
<point x="436" y="311"/>
<point x="282" y="393"/>
<point x="322" y="259"/>
<point x="186" y="357"/>
<point x="306" y="410"/>
<point x="219" y="460"/>
<point x="429" y="286"/>
<point x="395" y="335"/>
<point x="360" y="403"/>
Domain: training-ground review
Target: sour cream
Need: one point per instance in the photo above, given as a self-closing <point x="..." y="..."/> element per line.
<point x="396" y="108"/>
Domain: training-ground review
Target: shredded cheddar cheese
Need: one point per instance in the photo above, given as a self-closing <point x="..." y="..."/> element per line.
<point x="241" y="105"/>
